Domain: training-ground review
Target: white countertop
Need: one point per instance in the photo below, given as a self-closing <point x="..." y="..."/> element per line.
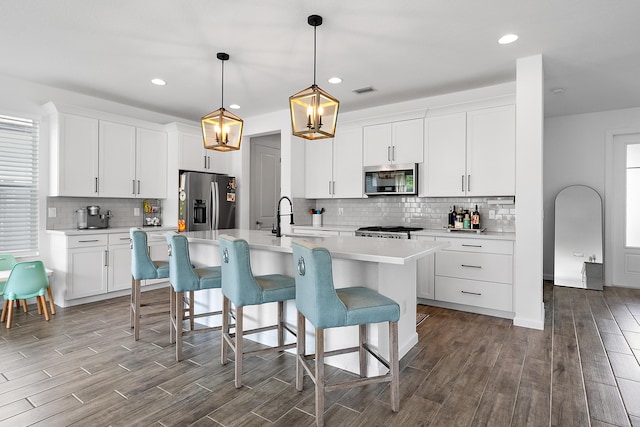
<point x="387" y="251"/>
<point x="77" y="232"/>
<point x="491" y="235"/>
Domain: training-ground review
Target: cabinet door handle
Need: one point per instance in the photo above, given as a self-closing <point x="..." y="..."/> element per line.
<point x="471" y="293"/>
<point x="87" y="241"/>
<point x="470" y="266"/>
<point x="462" y="184"/>
<point x="393" y="153"/>
<point x="205" y="161"/>
<point x="138" y="186"/>
<point x="96" y="184"/>
<point x="208" y="162"/>
<point x="133" y="186"/>
<point x="106" y="258"/>
<point x="388" y="153"/>
<point x="128" y="239"/>
<point x="333" y="188"/>
<point x="468" y="182"/>
<point x="472" y="246"/>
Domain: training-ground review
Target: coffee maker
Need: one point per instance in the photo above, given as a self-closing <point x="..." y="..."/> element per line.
<point x="91" y="218"/>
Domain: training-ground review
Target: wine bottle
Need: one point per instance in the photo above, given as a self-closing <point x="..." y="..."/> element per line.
<point x="475" y="219"/>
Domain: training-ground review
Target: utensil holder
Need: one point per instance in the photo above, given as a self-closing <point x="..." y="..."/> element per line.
<point x="316" y="220"/>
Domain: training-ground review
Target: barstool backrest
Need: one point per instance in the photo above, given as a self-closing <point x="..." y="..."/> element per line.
<point x="316" y="296"/>
<point x="142" y="267"/>
<point x="238" y="283"/>
<point x="181" y="274"/>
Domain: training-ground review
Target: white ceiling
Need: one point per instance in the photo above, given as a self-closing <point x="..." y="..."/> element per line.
<point x="404" y="49"/>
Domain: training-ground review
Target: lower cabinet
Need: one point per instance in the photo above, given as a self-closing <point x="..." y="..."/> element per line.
<point x="425" y="276"/>
<point x="475" y="272"/>
<point x="86" y="269"/>
<point x="91" y="265"/>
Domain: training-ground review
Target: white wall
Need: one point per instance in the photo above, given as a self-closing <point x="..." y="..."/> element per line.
<point x="574" y="153"/>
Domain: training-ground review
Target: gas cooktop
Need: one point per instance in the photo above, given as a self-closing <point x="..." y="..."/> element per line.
<point x="389" y="232"/>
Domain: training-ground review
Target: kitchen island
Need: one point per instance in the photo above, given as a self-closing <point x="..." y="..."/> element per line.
<point x="385" y="265"/>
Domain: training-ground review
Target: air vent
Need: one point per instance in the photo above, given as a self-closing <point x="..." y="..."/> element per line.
<point x="363" y="90"/>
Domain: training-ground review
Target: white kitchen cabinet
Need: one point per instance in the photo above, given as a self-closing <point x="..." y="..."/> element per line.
<point x="470" y="154"/>
<point x="73" y="156"/>
<point x="86" y="269"/>
<point x="92" y="157"/>
<point x="425" y="273"/>
<point x="193" y="155"/>
<point x="397" y="142"/>
<point x="151" y="163"/>
<point x="133" y="161"/>
<point x="475" y="272"/>
<point x="333" y="168"/>
<point x="119" y="265"/>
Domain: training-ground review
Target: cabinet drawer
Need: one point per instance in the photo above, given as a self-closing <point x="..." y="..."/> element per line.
<point x="469" y="265"/>
<point x="478" y="245"/>
<point x="496" y="296"/>
<point x="87" y="241"/>
<point x="119" y="239"/>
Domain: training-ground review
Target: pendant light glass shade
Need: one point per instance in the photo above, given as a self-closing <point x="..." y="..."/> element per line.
<point x="314" y="112"/>
<point x="222" y="130"/>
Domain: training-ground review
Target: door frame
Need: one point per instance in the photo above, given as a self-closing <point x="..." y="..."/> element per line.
<point x="609" y="200"/>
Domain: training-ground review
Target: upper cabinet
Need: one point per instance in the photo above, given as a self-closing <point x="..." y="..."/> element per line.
<point x="91" y="157"/>
<point x="470" y="154"/>
<point x="397" y="142"/>
<point x="193" y="155"/>
<point x="333" y="168"/>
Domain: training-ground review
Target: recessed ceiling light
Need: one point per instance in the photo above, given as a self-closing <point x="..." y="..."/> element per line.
<point x="335" y="80"/>
<point x="158" y="82"/>
<point x="234" y="106"/>
<point x="557" y="90"/>
<point x="508" y="38"/>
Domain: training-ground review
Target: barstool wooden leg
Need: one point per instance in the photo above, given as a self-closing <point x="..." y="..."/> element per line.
<point x="136" y="321"/>
<point x="280" y="323"/>
<point x="179" y="315"/>
<point x="38" y="305"/>
<point x="225" y="330"/>
<point x="10" y="314"/>
<point x="4" y="309"/>
<point x="132" y="311"/>
<point x="53" y="307"/>
<point x="362" y="353"/>
<point x="238" y="346"/>
<point x="300" y="350"/>
<point x="172" y="315"/>
<point x="394" y="366"/>
<point x="319" y="377"/>
<point x="25" y="307"/>
<point x="192" y="311"/>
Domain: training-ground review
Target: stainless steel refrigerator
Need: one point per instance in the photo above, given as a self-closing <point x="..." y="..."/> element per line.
<point x="207" y="201"/>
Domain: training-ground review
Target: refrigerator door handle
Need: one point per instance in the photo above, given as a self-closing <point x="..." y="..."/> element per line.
<point x="215" y="208"/>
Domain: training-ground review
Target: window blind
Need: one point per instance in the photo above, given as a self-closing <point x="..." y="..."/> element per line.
<point x="18" y="185"/>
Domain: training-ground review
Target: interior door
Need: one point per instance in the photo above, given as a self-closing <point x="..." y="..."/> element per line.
<point x="265" y="180"/>
<point x="625" y="228"/>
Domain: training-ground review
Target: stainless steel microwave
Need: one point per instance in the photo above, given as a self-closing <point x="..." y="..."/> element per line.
<point x="396" y="179"/>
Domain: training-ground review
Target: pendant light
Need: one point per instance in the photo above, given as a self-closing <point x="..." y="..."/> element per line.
<point x="222" y="130"/>
<point x="313" y="111"/>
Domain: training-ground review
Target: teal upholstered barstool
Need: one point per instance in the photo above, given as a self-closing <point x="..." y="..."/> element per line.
<point x="143" y="268"/>
<point x="242" y="288"/>
<point x="184" y="277"/>
<point x="326" y="307"/>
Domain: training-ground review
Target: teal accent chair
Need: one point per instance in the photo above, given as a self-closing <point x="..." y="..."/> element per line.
<point x="7" y="261"/>
<point x="27" y="280"/>
<point x="325" y="307"/>
<point x="143" y="268"/>
<point x="184" y="277"/>
<point x="242" y="288"/>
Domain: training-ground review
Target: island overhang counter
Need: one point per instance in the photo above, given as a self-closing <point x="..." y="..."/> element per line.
<point x="385" y="265"/>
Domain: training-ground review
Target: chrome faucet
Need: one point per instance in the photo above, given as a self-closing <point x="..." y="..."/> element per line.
<point x="278" y="230"/>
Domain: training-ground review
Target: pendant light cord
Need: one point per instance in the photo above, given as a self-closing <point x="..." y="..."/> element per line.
<point x="222" y="89"/>
<point x="314" y="54"/>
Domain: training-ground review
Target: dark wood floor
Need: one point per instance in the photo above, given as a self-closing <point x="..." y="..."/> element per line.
<point x="84" y="368"/>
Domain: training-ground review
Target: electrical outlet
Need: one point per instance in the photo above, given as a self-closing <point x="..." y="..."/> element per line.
<point x="340" y="211"/>
<point x="492" y="214"/>
<point x="52" y="212"/>
<point x="136" y="211"/>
